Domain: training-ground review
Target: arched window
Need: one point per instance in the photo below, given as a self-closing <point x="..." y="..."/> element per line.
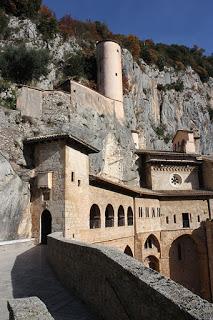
<point x="130" y="216"/>
<point x="95" y="217"/>
<point x="128" y="251"/>
<point x="121" y="216"/>
<point x="152" y="262"/>
<point x="109" y="216"/>
<point x="152" y="243"/>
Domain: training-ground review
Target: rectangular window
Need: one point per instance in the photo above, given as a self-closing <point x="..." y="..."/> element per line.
<point x="185" y="217"/>
<point x="79" y="183"/>
<point x="167" y="220"/>
<point x="141" y="212"/>
<point x="72" y="176"/>
<point x="174" y="218"/>
<point x="147" y="212"/>
<point x="198" y="218"/>
<point x="153" y="212"/>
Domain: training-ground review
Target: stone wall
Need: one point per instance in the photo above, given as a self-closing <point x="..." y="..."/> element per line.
<point x="28" y="308"/>
<point x="161" y="177"/>
<point x="117" y="286"/>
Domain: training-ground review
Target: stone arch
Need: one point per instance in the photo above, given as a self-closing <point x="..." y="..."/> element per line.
<point x="129" y="216"/>
<point x="152" y="262"/>
<point x="46" y="225"/>
<point x="109" y="216"/>
<point x="121" y="217"/>
<point x="95" y="217"/>
<point x="152" y="243"/>
<point x="128" y="251"/>
<point x="184" y="263"/>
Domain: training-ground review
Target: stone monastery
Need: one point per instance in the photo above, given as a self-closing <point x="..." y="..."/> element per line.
<point x="164" y="222"/>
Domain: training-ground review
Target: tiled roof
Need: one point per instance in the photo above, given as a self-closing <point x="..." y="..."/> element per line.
<point x="72" y="140"/>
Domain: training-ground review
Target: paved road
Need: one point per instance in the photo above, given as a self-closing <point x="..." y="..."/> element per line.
<point x="24" y="272"/>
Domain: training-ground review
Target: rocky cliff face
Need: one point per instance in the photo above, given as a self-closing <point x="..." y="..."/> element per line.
<point x="159" y="103"/>
<point x="156" y="103"/>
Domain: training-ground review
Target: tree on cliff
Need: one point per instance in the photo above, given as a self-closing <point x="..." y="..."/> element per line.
<point x="21" y="8"/>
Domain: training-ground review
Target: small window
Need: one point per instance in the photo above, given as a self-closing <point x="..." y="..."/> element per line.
<point x="79" y="183"/>
<point x="167" y="220"/>
<point x="198" y="218"/>
<point x="116" y="74"/>
<point x="185" y="218"/>
<point x="153" y="212"/>
<point x="141" y="212"/>
<point x="72" y="176"/>
<point x="147" y="212"/>
<point x="174" y="218"/>
<point x="158" y="212"/>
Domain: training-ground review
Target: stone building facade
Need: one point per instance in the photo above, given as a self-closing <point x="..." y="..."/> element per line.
<point x="165" y="221"/>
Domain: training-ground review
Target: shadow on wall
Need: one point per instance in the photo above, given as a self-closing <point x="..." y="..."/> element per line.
<point x="119" y="287"/>
<point x="32" y="276"/>
<point x="189" y="262"/>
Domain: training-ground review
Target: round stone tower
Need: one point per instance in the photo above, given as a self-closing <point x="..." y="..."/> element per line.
<point x="109" y="69"/>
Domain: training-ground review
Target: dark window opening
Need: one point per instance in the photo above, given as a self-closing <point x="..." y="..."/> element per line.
<point x="79" y="183"/>
<point x="174" y="218"/>
<point x="185" y="217"/>
<point x="46" y="225"/>
<point x="116" y="74"/>
<point x="153" y="212"/>
<point x="167" y="220"/>
<point x="109" y="216"/>
<point x="121" y="217"/>
<point x="72" y="176"/>
<point x="130" y="216"/>
<point x="95" y="217"/>
<point x="198" y="218"/>
<point x="147" y="212"/>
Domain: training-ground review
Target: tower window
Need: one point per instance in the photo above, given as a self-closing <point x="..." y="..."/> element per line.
<point x="79" y="183"/>
<point x="116" y="74"/>
<point x="174" y="218"/>
<point x="147" y="212"/>
<point x="198" y="218"/>
<point x="72" y="176"/>
<point x="167" y="220"/>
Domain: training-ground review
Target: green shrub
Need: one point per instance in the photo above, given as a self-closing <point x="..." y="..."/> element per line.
<point x="9" y="101"/>
<point x="177" y="86"/>
<point x="3" y="24"/>
<point x="47" y="23"/>
<point x="22" y="65"/>
<point x="21" y="8"/>
<point x="80" y="66"/>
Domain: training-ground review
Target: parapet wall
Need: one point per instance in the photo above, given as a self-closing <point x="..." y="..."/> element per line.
<point x="117" y="286"/>
<point x="47" y="104"/>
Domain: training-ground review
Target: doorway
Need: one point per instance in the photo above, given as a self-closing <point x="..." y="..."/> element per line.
<point x="46" y="225"/>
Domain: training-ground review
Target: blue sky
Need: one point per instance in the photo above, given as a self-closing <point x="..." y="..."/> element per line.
<point x="186" y="22"/>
